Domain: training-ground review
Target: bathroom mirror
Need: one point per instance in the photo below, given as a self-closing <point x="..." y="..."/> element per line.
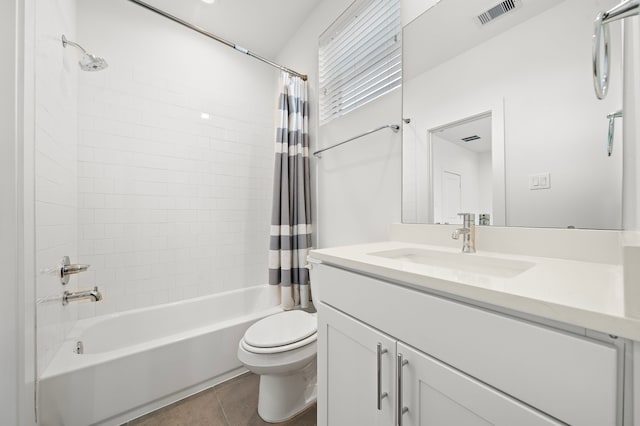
<point x="522" y="71"/>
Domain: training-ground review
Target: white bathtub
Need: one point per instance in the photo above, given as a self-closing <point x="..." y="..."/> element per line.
<point x="140" y="360"/>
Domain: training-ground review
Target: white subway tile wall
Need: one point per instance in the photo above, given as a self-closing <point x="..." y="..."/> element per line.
<point x="163" y="201"/>
<point x="172" y="205"/>
<point x="56" y="195"/>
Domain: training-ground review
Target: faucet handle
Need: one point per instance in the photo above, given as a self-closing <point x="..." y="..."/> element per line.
<point x="74" y="269"/>
<point x="66" y="269"/>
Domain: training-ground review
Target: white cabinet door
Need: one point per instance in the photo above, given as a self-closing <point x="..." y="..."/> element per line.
<point x="435" y="394"/>
<point x="348" y="366"/>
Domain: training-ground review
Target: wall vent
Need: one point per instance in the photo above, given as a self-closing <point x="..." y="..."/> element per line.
<point x="471" y="138"/>
<point x="498" y="10"/>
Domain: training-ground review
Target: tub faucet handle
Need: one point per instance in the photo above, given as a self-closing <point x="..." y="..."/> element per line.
<point x="74" y="269"/>
<point x="66" y="269"/>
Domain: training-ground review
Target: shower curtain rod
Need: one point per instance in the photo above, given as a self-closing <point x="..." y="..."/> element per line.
<point x="216" y="38"/>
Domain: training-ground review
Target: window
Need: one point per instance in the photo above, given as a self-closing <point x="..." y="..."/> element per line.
<point x="360" y="57"/>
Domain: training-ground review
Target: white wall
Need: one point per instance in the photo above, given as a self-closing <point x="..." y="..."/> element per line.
<point x="631" y="166"/>
<point x="585" y="183"/>
<point x="172" y="206"/>
<point x="56" y="204"/>
<point x="27" y="357"/>
<point x="9" y="303"/>
<point x="358" y="185"/>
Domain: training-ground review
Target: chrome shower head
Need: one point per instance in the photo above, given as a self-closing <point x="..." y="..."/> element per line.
<point x="88" y="62"/>
<point x="92" y="63"/>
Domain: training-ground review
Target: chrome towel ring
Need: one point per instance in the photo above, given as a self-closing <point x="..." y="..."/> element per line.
<point x="601" y="43"/>
<point x="601" y="39"/>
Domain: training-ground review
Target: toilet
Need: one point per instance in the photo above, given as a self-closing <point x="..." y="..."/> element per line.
<point x="282" y="349"/>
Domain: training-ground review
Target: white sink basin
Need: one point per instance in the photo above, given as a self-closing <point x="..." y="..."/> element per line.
<point x="472" y="263"/>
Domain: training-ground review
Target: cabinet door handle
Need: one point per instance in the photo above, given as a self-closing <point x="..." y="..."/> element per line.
<point x="401" y="408"/>
<point x="380" y="395"/>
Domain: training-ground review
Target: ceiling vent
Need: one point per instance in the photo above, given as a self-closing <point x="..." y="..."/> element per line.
<point x="498" y="10"/>
<point x="471" y="138"/>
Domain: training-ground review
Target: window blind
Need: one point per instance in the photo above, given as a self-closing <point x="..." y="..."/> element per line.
<point x="360" y="57"/>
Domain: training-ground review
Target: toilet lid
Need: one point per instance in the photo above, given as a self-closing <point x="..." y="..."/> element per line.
<point x="281" y="329"/>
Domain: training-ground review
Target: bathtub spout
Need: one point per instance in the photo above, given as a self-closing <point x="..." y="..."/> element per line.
<point x="93" y="295"/>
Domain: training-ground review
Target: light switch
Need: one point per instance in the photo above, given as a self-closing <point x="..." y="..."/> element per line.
<point x="545" y="181"/>
<point x="540" y="181"/>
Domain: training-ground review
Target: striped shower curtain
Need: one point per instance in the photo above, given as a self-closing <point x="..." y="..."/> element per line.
<point x="291" y="215"/>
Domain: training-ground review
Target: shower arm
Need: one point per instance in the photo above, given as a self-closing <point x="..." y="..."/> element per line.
<point x="65" y="41"/>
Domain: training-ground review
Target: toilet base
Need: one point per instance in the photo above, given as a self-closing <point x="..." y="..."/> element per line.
<point x="281" y="397"/>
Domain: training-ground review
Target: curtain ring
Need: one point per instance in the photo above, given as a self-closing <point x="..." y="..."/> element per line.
<point x="600" y="36"/>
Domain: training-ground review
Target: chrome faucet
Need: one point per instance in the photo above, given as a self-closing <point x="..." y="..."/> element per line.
<point x="93" y="295"/>
<point x="469" y="232"/>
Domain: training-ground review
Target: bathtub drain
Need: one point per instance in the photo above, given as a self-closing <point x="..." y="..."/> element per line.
<point x="79" y="347"/>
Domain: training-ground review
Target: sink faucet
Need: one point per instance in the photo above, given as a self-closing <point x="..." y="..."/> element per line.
<point x="468" y="231"/>
<point x="94" y="295"/>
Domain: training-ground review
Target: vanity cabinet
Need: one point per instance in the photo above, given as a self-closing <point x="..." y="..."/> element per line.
<point x="362" y="370"/>
<point x="461" y="364"/>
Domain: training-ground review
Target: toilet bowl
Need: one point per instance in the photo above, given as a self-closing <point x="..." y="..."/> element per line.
<point x="282" y="349"/>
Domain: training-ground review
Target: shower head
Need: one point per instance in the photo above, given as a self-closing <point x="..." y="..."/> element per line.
<point x="88" y="62"/>
<point x="92" y="63"/>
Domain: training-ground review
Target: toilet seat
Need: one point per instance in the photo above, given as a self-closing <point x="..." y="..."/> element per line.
<point x="278" y="349"/>
<point x="281" y="332"/>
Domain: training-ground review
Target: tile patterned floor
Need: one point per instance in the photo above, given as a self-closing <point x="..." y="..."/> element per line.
<point x="233" y="403"/>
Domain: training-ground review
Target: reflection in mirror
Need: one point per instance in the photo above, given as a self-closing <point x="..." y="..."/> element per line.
<point x="461" y="170"/>
<point x="531" y="68"/>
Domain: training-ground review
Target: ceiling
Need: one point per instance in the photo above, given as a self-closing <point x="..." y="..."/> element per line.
<point x="480" y="127"/>
<point x="451" y="27"/>
<point x="262" y="26"/>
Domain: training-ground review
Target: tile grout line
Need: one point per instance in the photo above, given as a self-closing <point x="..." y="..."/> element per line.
<point x="224" y="414"/>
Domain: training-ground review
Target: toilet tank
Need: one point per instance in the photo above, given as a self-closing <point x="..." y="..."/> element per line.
<point x="311" y="262"/>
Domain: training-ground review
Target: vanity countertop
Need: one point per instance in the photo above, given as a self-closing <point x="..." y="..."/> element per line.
<point x="580" y="293"/>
